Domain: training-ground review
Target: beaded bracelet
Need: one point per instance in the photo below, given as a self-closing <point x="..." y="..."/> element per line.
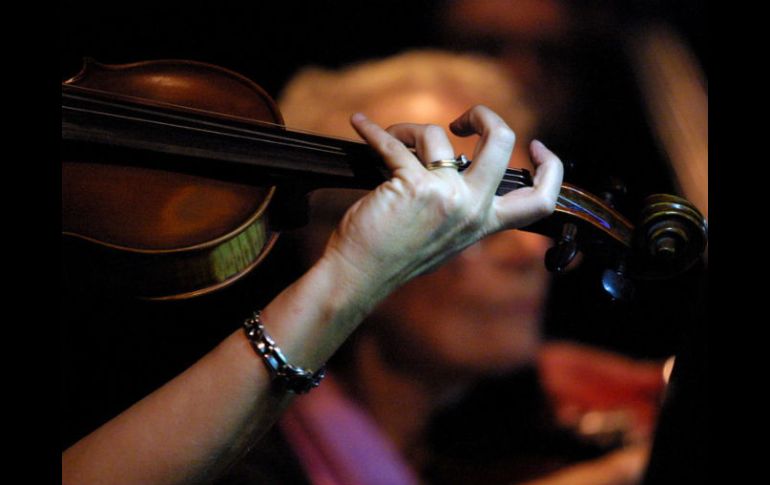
<point x="285" y="376"/>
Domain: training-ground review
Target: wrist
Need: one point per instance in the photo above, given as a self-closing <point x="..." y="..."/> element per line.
<point x="285" y="376"/>
<point x="311" y="318"/>
<point x="358" y="287"/>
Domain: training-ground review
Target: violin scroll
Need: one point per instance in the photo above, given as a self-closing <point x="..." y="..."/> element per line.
<point x="208" y="172"/>
<point x="670" y="238"/>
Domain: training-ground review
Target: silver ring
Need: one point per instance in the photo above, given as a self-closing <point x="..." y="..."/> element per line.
<point x="459" y="163"/>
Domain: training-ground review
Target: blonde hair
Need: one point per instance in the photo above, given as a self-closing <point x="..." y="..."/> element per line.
<point x="316" y="97"/>
<point x="322" y="100"/>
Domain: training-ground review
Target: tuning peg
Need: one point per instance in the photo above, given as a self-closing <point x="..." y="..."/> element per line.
<point x="615" y="190"/>
<point x="559" y="256"/>
<point x="671" y="237"/>
<point x="617" y="285"/>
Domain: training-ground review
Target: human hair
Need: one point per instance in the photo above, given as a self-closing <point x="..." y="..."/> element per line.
<point x="321" y="100"/>
<point x="316" y="97"/>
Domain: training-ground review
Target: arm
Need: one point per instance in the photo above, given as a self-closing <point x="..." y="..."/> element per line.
<point x="193" y="427"/>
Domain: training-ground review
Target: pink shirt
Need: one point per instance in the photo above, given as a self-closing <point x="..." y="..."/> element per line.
<point x="338" y="443"/>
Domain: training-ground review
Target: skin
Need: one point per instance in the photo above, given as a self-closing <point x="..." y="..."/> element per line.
<point x="480" y="312"/>
<point x="190" y="429"/>
<point x="477" y="315"/>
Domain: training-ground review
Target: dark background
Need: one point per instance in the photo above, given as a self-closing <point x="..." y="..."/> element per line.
<point x="268" y="42"/>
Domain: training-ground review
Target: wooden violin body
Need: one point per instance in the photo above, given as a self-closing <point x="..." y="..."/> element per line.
<point x="176" y="177"/>
<point x="168" y="234"/>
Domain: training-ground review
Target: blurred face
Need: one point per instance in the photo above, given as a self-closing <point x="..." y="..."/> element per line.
<point x="479" y="313"/>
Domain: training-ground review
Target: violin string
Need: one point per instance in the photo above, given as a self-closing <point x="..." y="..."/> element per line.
<point x="511" y="174"/>
<point x="512" y="180"/>
<point x="507" y="187"/>
<point x="280" y="129"/>
<point x="269" y="124"/>
<point x="133" y="107"/>
<point x="260" y="136"/>
<point x="87" y="93"/>
<point x="289" y="141"/>
<point x="511" y="187"/>
<point x="515" y="176"/>
<point x="229" y="127"/>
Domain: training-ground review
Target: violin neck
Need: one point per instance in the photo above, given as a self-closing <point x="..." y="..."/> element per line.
<point x="120" y="130"/>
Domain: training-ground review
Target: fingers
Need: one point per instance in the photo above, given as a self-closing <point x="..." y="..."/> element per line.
<point x="549" y="171"/>
<point x="429" y="141"/>
<point x="517" y="208"/>
<point x="522" y="207"/>
<point x="494" y="149"/>
<point x="395" y="154"/>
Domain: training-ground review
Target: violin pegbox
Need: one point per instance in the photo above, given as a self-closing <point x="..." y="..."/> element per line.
<point x="670" y="237"/>
<point x="668" y="240"/>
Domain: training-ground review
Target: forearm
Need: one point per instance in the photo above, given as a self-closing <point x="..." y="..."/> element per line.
<point x="197" y="424"/>
<point x="194" y="426"/>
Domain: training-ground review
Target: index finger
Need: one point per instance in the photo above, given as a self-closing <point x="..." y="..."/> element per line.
<point x="395" y="154"/>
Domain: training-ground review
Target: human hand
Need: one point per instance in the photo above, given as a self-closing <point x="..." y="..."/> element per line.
<point x="419" y="218"/>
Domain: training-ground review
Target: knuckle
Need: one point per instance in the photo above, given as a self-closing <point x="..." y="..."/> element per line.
<point x="550" y="159"/>
<point x="545" y="205"/>
<point x="397" y="127"/>
<point x="433" y="134"/>
<point x="432" y="131"/>
<point x="502" y="134"/>
<point x="452" y="203"/>
<point x="392" y="146"/>
<point x="418" y="189"/>
<point x="479" y="109"/>
<point x="444" y="198"/>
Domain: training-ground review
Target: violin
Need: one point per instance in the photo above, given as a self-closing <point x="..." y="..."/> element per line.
<point x="178" y="176"/>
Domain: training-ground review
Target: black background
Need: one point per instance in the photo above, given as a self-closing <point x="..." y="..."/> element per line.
<point x="268" y="42"/>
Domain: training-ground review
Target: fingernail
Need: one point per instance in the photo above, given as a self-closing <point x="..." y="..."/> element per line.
<point x="538" y="143"/>
<point x="358" y="117"/>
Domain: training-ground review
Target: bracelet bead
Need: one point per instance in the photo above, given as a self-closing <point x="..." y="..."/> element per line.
<point x="284" y="375"/>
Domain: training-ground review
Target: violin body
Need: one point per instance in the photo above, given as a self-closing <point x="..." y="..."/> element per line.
<point x="161" y="234"/>
<point x="178" y="175"/>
